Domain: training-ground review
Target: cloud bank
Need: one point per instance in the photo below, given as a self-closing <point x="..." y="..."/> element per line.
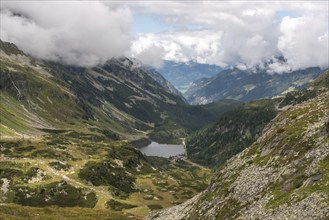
<point x="82" y="33"/>
<point x="227" y="33"/>
<point x="241" y="33"/>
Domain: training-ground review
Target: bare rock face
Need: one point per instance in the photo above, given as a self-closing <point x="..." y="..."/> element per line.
<point x="312" y="207"/>
<point x="283" y="175"/>
<point x="254" y="178"/>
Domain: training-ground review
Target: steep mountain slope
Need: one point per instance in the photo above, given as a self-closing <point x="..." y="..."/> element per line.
<point x="26" y="91"/>
<point x="237" y="129"/>
<point x="162" y="81"/>
<point x="234" y="131"/>
<point x="116" y="99"/>
<point x="127" y="88"/>
<point x="248" y="85"/>
<point x="182" y="75"/>
<point x="283" y="175"/>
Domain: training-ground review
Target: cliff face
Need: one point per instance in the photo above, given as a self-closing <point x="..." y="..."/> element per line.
<point x="283" y="175"/>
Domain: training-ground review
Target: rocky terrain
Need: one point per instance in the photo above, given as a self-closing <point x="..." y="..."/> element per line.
<point x="282" y="175"/>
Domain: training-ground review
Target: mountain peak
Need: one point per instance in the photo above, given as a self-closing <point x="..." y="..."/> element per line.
<point x="10" y="48"/>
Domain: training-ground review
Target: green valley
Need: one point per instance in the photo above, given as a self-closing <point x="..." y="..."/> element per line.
<point x="164" y="110"/>
<point x="70" y="137"/>
<point x="66" y="133"/>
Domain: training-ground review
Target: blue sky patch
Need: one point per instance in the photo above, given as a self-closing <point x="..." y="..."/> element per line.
<point x="149" y="24"/>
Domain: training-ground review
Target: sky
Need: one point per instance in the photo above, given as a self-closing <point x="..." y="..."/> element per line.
<point x="242" y="34"/>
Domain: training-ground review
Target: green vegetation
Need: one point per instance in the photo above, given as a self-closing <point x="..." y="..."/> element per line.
<point x="154" y="207"/>
<point x="168" y="132"/>
<point x="118" y="206"/>
<point x="56" y="193"/>
<point x="57" y="165"/>
<point x="233" y="132"/>
<point x="9" y="173"/>
<point x="17" y="212"/>
<point x="117" y="172"/>
<point x="103" y="173"/>
<point x="220" y="107"/>
<point x="186" y="119"/>
<point x="229" y="210"/>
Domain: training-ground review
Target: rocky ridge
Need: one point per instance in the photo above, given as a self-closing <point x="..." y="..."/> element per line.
<point x="247" y="85"/>
<point x="121" y="99"/>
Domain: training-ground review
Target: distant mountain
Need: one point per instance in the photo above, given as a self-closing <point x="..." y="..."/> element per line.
<point x="247" y="85"/>
<point x="318" y="86"/>
<point x="182" y="75"/>
<point x="162" y="81"/>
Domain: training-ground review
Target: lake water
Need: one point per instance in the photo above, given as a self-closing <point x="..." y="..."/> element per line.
<point x="163" y="150"/>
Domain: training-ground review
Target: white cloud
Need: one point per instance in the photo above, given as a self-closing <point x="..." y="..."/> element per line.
<point x="80" y="33"/>
<point x="152" y="56"/>
<point x="226" y="33"/>
<point x="181" y="46"/>
<point x="241" y="32"/>
<point x="303" y="41"/>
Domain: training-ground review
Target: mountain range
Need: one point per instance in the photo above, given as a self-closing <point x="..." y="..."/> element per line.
<point x="248" y="85"/>
<point x="183" y="74"/>
<point x="121" y="97"/>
